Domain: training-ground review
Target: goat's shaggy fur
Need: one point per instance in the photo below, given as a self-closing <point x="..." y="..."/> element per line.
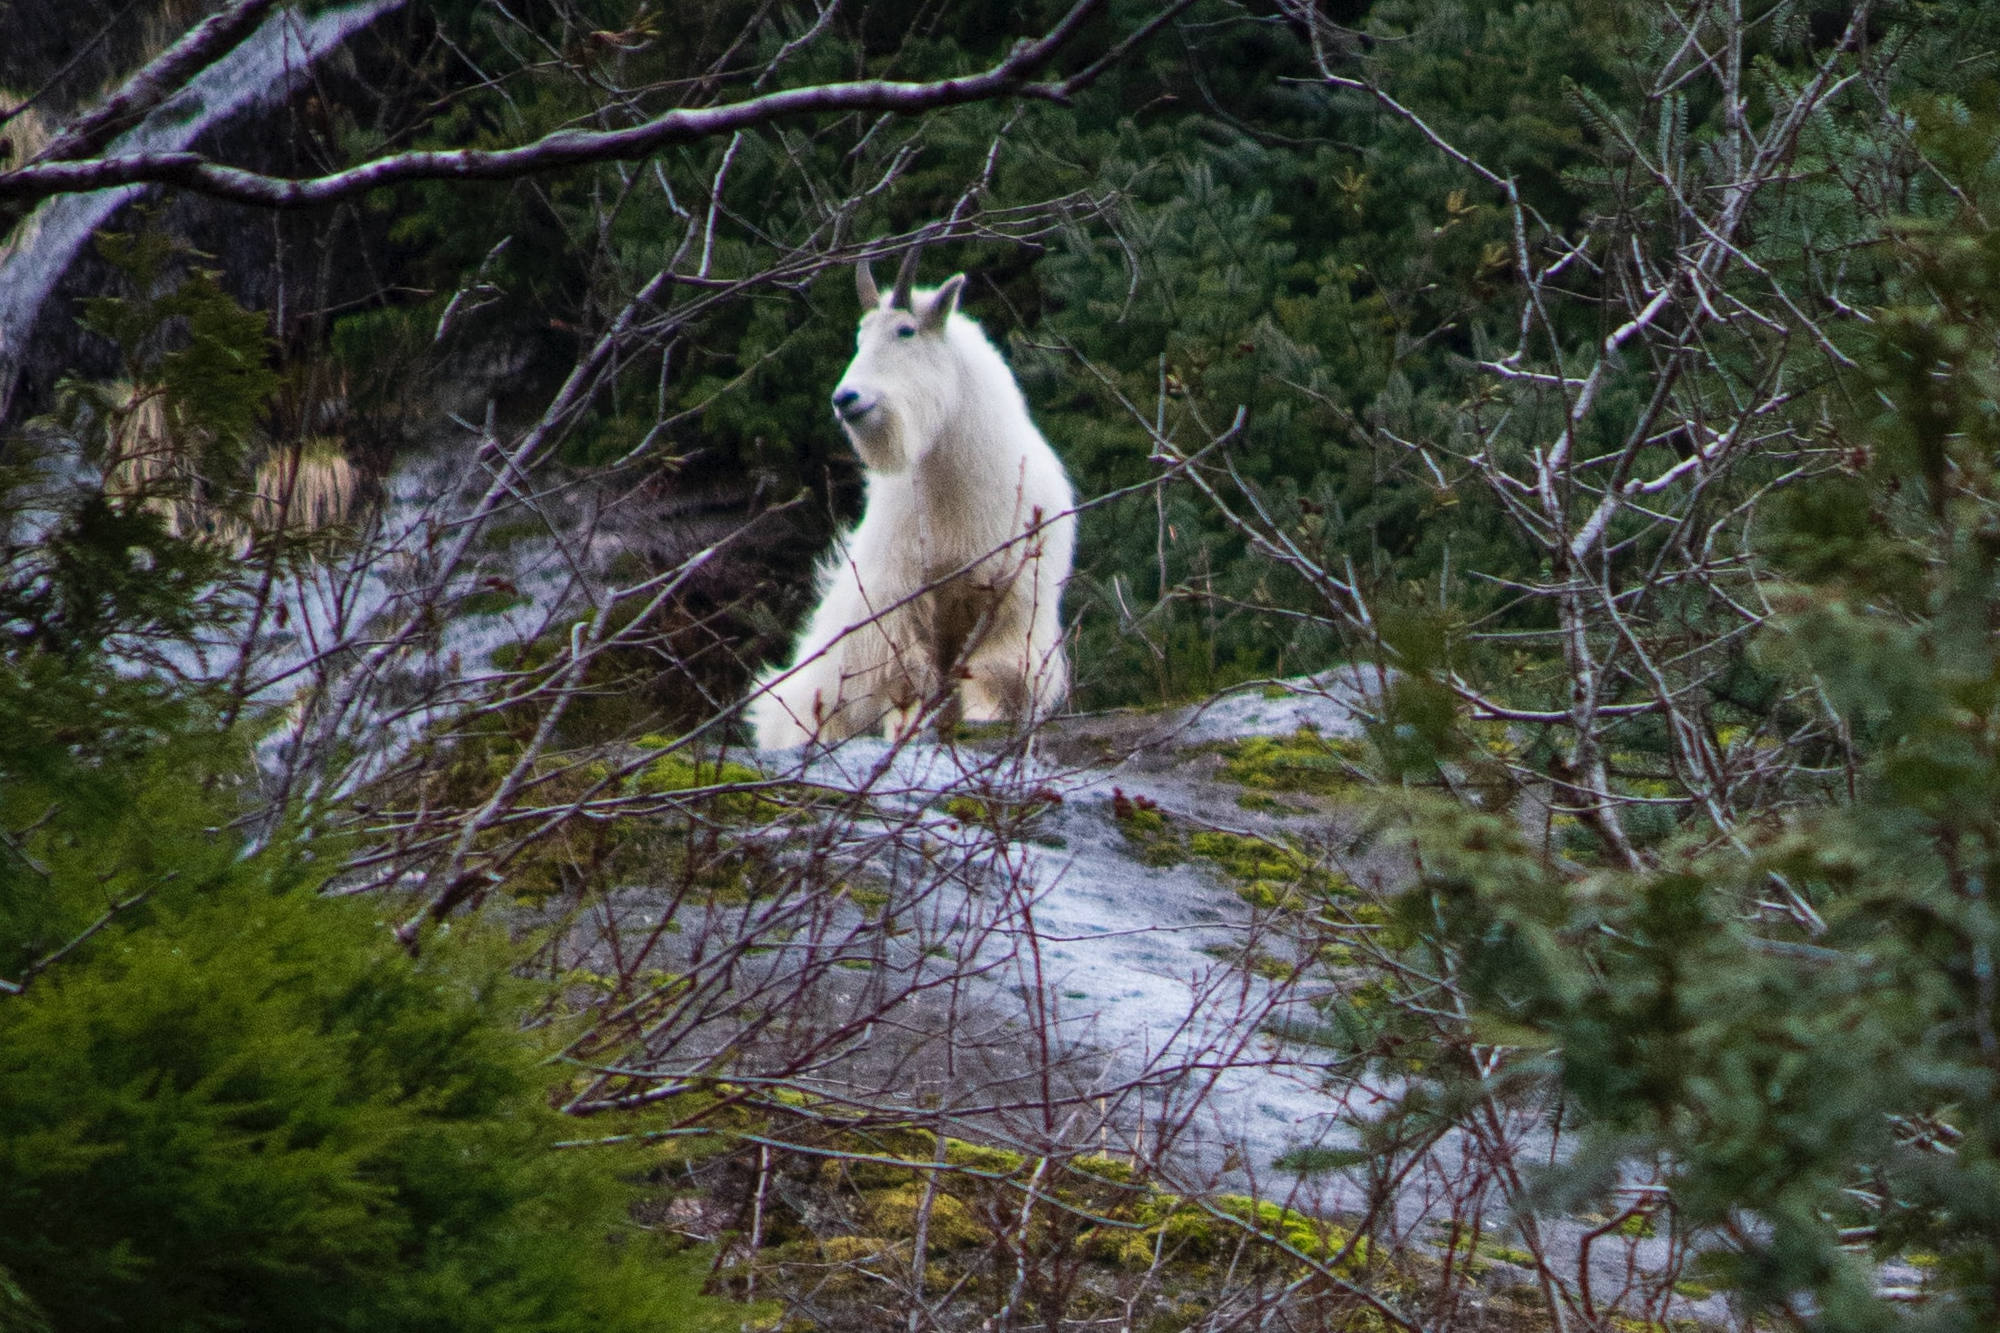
<point x="953" y="576"/>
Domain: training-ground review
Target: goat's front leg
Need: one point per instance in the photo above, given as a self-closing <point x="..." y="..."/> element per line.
<point x="1015" y="669"/>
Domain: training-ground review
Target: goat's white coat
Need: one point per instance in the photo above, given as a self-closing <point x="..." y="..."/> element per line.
<point x="964" y="543"/>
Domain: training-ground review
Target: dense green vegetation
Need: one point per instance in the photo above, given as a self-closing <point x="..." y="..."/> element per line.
<point x="229" y="1102"/>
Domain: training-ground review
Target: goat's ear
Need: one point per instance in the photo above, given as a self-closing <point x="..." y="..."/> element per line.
<point x="864" y="286"/>
<point x="943" y="302"/>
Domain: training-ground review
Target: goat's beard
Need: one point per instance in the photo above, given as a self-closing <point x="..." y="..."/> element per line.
<point x="879" y="442"/>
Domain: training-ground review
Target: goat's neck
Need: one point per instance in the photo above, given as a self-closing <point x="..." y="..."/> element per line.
<point x="964" y="503"/>
<point x="969" y="457"/>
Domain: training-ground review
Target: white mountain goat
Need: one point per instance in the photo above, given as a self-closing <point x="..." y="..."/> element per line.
<point x="954" y="574"/>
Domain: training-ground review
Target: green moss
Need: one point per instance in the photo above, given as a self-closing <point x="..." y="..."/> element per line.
<point x="867" y="899"/>
<point x="966" y="809"/>
<point x="1639" y="1225"/>
<point x="490" y="602"/>
<point x="1101" y="1167"/>
<point x="1170" y="1225"/>
<point x="1269" y="875"/>
<point x="852" y="1258"/>
<point x="1304" y="761"/>
<point x="1104" y="1214"/>
<point x="1308" y="1235"/>
<point x="683" y="770"/>
<point x="1151" y="838"/>
<point x="979" y="1157"/>
<point x="853" y="1249"/>
<point x="1015" y="818"/>
<point x="1271" y="967"/>
<point x="1185" y="1232"/>
<point x="578" y="857"/>
<point x="1267" y="804"/>
<point x="1146" y="820"/>
<point x="952" y="1225"/>
<point x="1488" y="1252"/>
<point x="1248" y="858"/>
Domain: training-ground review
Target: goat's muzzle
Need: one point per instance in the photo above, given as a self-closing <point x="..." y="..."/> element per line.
<point x="850" y="405"/>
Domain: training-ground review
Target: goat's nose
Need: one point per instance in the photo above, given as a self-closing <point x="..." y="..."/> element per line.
<point x="844" y="399"/>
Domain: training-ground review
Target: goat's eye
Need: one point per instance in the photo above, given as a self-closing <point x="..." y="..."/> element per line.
<point x="906" y="331"/>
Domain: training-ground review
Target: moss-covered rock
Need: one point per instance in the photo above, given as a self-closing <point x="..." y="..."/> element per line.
<point x="1304" y="761"/>
<point x="1153" y="840"/>
<point x="722" y="789"/>
<point x="979" y="1157"/>
<point x="952" y="1225"/>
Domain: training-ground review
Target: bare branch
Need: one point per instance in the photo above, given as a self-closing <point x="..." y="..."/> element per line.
<point x="163" y="76"/>
<point x="568" y="148"/>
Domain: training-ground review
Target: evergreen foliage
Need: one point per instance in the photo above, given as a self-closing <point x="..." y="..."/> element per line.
<point x="1826" y="1095"/>
<point x="248" y="1109"/>
<point x="227" y="1101"/>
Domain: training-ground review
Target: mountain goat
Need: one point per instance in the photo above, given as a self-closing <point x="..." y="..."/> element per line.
<point x="946" y="592"/>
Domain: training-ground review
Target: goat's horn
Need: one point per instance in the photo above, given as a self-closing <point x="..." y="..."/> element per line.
<point x="905" y="277"/>
<point x="864" y="284"/>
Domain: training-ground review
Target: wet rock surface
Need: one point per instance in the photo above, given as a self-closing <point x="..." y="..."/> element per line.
<point x="1163" y="972"/>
